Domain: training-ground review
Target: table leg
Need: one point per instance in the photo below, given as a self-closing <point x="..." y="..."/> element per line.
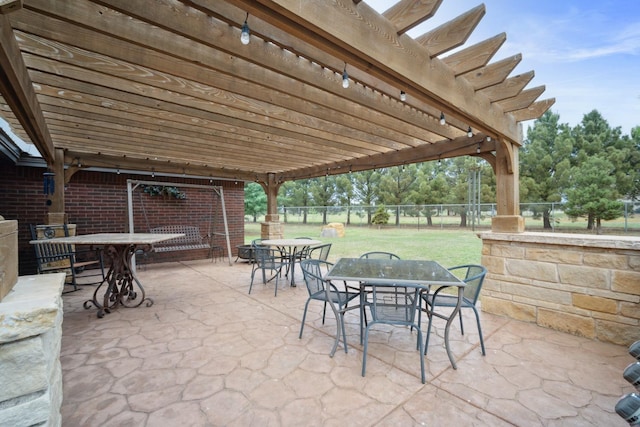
<point x="339" y="325"/>
<point x="119" y="281"/>
<point x="292" y="262"/>
<point x="448" y="325"/>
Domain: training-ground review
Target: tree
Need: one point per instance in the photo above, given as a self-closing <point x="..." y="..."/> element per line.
<point x="634" y="164"/>
<point x="396" y="186"/>
<point x="296" y="194"/>
<point x="594" y="193"/>
<point x="364" y="187"/>
<point x="381" y="216"/>
<point x="595" y="138"/>
<point x="345" y="192"/>
<point x="431" y="187"/>
<point x="255" y="200"/>
<point x="458" y="177"/>
<point x="545" y="164"/>
<point x="323" y="192"/>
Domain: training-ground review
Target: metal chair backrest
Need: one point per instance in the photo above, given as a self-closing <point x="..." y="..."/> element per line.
<point x="473" y="277"/>
<point x="379" y="255"/>
<point x="256" y="242"/>
<point x="266" y="257"/>
<point x="394" y="305"/>
<point x="312" y="273"/>
<point x="320" y="252"/>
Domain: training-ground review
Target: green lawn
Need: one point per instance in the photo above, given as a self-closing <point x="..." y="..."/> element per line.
<point x="448" y="247"/>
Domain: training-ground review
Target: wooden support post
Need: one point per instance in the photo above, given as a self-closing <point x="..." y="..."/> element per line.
<point x="508" y="218"/>
<point x="271" y="227"/>
<point x="57" y="214"/>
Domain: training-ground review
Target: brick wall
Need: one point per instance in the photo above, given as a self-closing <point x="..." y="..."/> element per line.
<point x="586" y="285"/>
<point x="97" y="202"/>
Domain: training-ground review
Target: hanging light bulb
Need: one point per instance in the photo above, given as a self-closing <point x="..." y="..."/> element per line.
<point x="345" y="77"/>
<point x="469" y="132"/>
<point x="245" y="35"/>
<point x="478" y="148"/>
<point x="442" y="119"/>
<point x="403" y="96"/>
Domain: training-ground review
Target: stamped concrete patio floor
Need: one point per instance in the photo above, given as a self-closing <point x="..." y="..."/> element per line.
<point x="209" y="354"/>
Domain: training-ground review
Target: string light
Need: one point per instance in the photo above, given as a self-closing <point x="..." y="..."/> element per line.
<point x="469" y="132"/>
<point x="478" y="148"/>
<point x="403" y="96"/>
<point x="443" y="121"/>
<point x="345" y="77"/>
<point x="245" y="35"/>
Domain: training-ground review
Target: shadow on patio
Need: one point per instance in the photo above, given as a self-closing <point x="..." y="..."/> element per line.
<point x="207" y="353"/>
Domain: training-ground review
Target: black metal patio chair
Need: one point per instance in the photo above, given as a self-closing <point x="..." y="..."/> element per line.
<point x="266" y="259"/>
<point x="322" y="290"/>
<point x="473" y="277"/>
<point x="393" y="305"/>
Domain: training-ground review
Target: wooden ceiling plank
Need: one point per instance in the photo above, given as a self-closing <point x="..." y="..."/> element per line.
<point x="189" y="94"/>
<point x="91" y="125"/>
<point x="493" y="73"/>
<point x="76" y="57"/>
<point x="17" y="90"/>
<point x="523" y="100"/>
<point x="177" y="122"/>
<point x="406" y="14"/>
<point x="509" y="88"/>
<point x="93" y="128"/>
<point x="453" y="33"/>
<point x="476" y="56"/>
<point x="302" y="101"/>
<point x="197" y="117"/>
<point x="271" y="53"/>
<point x="8" y="6"/>
<point x="227" y="123"/>
<point x="163" y="143"/>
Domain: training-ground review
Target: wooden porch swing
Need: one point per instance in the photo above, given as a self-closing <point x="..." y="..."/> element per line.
<point x="192" y="236"/>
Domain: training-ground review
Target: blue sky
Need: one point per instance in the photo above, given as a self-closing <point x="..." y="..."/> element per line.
<point x="586" y="52"/>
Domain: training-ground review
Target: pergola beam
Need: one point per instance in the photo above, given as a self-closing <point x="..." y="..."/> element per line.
<point x="368" y="41"/>
<point x="452" y="33"/>
<point x="406" y="14"/>
<point x="17" y="90"/>
<point x="476" y="56"/>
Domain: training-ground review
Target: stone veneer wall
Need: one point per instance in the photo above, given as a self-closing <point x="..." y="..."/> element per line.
<point x="586" y="285"/>
<point x="30" y="340"/>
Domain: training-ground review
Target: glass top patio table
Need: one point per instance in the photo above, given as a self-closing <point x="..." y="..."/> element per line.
<point x="399" y="273"/>
<point x="392" y="271"/>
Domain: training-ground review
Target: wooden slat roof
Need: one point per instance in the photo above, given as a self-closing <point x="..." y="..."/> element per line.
<point x="168" y="86"/>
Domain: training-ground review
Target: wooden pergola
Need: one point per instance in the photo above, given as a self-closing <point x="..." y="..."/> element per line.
<point x="167" y="86"/>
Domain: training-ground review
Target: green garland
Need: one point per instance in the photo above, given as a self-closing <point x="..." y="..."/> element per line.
<point x="157" y="190"/>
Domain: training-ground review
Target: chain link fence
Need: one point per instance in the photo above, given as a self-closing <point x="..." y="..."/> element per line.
<point x="538" y="216"/>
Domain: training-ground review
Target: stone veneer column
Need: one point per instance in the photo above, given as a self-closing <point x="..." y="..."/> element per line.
<point x="30" y="340"/>
<point x="271" y="228"/>
<point x="587" y="285"/>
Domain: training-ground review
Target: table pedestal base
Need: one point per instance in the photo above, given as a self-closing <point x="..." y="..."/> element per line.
<point x="122" y="285"/>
